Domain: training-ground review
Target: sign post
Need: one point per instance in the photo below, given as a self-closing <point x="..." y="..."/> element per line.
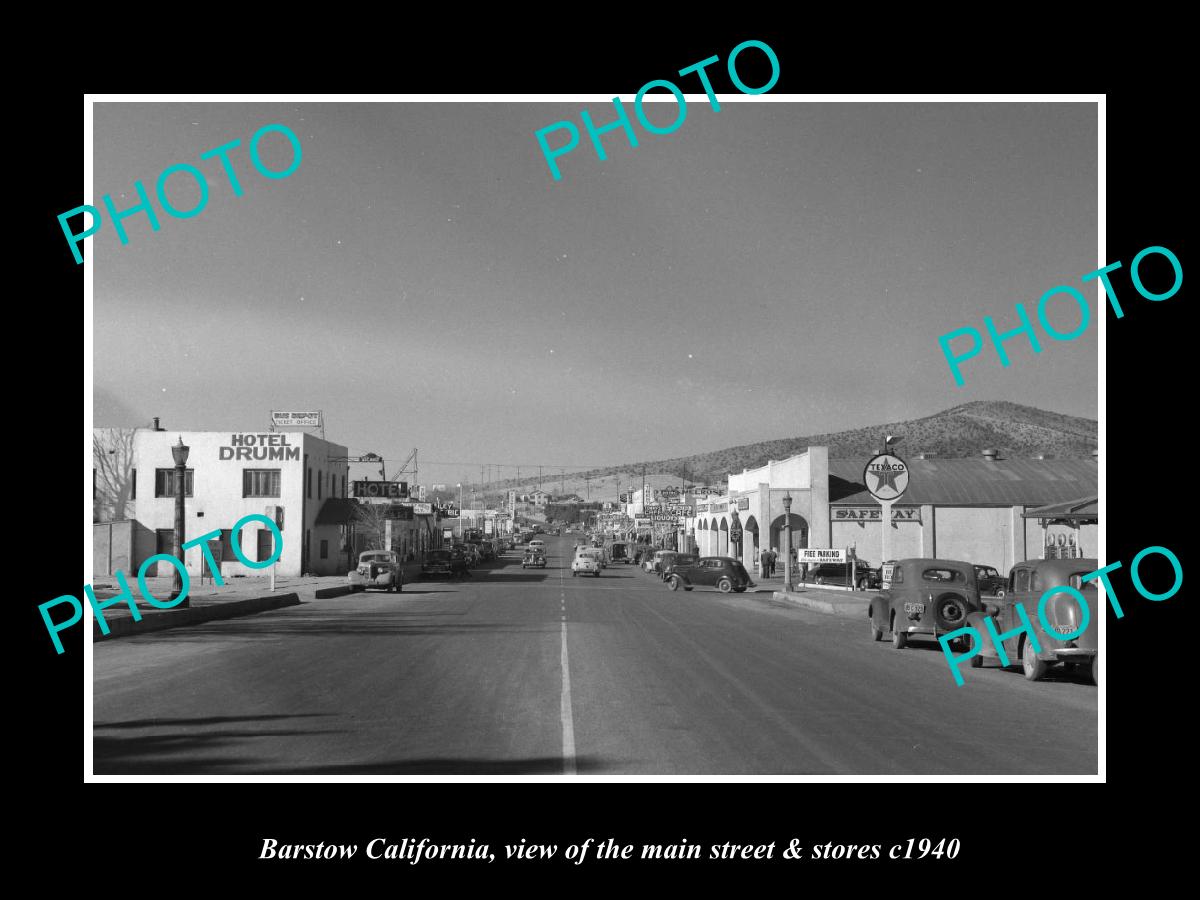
<point x="886" y="477"/>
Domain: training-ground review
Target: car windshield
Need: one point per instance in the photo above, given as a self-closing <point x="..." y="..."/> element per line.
<point x="685" y="559"/>
<point x="375" y="557"/>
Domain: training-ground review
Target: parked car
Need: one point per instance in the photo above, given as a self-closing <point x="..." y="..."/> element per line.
<point x="722" y="572"/>
<point x="1027" y="582"/>
<point x="585" y="561"/>
<point x="926" y="597"/>
<point x="991" y="582"/>
<point x="672" y="561"/>
<point x="460" y="562"/>
<point x="468" y="553"/>
<point x="534" y="559"/>
<point x="440" y="562"/>
<point x="377" y="568"/>
<point x="865" y="577"/>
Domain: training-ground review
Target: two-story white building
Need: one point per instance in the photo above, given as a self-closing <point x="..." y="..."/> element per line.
<point x="297" y="479"/>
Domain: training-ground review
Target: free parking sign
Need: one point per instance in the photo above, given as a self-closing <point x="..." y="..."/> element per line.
<point x="886" y="477"/>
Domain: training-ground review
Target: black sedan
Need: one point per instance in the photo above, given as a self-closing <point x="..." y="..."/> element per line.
<point x="722" y="572"/>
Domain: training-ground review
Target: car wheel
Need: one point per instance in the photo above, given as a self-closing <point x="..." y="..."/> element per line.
<point x="820" y="579"/>
<point x="1034" y="668"/>
<point x="676" y="582"/>
<point x="899" y="638"/>
<point x="724" y="585"/>
<point x="876" y="631"/>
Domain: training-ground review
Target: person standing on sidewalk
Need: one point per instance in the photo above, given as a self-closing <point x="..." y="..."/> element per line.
<point x="764" y="561"/>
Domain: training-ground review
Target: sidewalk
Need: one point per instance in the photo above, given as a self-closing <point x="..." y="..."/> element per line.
<point x="207" y="602"/>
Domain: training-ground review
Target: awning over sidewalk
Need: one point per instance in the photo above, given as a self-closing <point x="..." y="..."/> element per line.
<point x="336" y="511"/>
<point x="1085" y="509"/>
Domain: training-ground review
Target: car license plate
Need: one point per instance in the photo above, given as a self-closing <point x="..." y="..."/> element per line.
<point x="914" y="607"/>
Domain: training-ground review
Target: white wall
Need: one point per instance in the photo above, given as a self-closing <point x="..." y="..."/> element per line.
<point x="217" y="486"/>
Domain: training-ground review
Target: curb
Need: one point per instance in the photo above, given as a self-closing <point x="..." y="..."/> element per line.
<point x="849" y="609"/>
<point x="325" y="593"/>
<point x="172" y="618"/>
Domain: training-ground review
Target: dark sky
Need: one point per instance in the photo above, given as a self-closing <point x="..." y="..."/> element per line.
<point x="768" y="270"/>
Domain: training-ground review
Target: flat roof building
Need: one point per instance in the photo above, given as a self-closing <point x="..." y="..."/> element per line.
<point x="297" y="479"/>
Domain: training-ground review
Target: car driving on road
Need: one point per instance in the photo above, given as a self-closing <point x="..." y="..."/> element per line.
<point x="534" y="559"/>
<point x="585" y="561"/>
<point x="377" y="568"/>
<point x="722" y="572"/>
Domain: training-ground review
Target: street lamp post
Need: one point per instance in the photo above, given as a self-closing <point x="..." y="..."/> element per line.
<point x="787" y="541"/>
<point x="180" y="453"/>
<point x="460" y="510"/>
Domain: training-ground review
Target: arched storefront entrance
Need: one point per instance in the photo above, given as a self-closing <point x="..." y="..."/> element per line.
<point x="799" y="534"/>
<point x="712" y="539"/>
<point x="750" y="543"/>
<point x="724" y="538"/>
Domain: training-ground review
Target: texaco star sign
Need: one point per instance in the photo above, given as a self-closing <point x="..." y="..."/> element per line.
<point x="886" y="477"/>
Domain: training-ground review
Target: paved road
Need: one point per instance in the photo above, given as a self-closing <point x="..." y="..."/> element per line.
<point x="532" y="671"/>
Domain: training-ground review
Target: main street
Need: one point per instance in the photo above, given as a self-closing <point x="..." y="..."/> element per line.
<point x="520" y="671"/>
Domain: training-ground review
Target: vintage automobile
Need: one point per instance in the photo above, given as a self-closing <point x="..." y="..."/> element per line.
<point x="537" y="543"/>
<point x="677" y="560"/>
<point x="1027" y="582"/>
<point x="586" y="561"/>
<point x="485" y="550"/>
<point x="620" y="552"/>
<point x="722" y="572"/>
<point x="534" y="559"/>
<point x="865" y="577"/>
<point x="654" y="563"/>
<point x="926" y="597"/>
<point x="443" y="562"/>
<point x="377" y="569"/>
<point x="991" y="582"/>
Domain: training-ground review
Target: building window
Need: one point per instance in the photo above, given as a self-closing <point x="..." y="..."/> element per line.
<point x="164" y="541"/>
<point x="133" y="484"/>
<point x="319" y="480"/>
<point x="164" y="482"/>
<point x="308" y="484"/>
<point x="343" y="485"/>
<point x="260" y="482"/>
<point x="324" y="549"/>
<point x="227" y="554"/>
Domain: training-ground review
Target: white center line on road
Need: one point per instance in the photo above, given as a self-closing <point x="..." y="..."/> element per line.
<point x="568" y="723"/>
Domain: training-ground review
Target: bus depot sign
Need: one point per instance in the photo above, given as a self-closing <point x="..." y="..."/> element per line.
<point x="295" y="419"/>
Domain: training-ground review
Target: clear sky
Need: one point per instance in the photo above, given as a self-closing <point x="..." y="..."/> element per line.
<point x="766" y="271"/>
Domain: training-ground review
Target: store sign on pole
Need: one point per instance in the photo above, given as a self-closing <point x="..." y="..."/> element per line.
<point x="814" y="555"/>
<point x="886" y="477"/>
<point x="388" y="489"/>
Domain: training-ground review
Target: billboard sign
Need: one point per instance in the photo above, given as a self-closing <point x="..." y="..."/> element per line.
<point x="297" y="419"/>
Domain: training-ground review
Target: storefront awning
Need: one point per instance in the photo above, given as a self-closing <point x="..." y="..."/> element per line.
<point x="1085" y="509"/>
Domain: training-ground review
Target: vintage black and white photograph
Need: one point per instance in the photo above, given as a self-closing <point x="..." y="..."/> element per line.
<point x="736" y="435"/>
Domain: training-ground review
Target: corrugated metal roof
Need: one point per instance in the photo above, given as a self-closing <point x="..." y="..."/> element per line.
<point x="974" y="481"/>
